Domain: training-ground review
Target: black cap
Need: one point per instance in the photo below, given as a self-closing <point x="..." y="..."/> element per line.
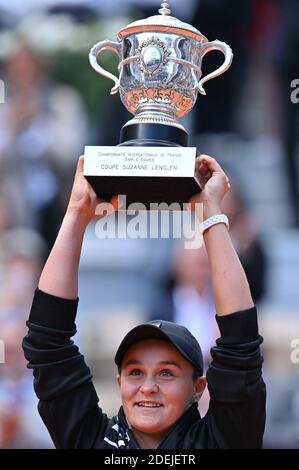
<point x="177" y="335"/>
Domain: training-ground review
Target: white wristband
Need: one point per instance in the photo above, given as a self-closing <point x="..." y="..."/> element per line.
<point x="215" y="219"/>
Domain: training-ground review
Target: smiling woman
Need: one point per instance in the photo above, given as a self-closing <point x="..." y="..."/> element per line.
<point x="160" y="365"/>
<point x="157" y="387"/>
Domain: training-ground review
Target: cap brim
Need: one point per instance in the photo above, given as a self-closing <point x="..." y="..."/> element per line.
<point x="143" y="332"/>
<point x="140" y="333"/>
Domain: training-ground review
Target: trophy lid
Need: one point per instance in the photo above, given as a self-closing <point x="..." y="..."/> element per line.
<point x="163" y="22"/>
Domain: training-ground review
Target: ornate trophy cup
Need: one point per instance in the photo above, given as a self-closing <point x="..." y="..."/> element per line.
<point x="159" y="79"/>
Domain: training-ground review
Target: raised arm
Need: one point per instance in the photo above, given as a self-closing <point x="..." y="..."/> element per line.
<point x="60" y="274"/>
<point x="68" y="402"/>
<point x="230" y="285"/>
<point x="236" y="416"/>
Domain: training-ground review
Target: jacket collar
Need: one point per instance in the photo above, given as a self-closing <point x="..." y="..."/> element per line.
<point x="176" y="433"/>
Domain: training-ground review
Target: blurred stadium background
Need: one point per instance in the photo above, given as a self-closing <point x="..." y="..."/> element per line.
<point x="55" y="104"/>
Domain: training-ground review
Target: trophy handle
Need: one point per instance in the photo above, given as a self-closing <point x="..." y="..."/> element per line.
<point x="95" y="51"/>
<point x="228" y="53"/>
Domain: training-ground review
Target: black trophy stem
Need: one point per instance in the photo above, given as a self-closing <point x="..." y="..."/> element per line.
<point x="152" y="135"/>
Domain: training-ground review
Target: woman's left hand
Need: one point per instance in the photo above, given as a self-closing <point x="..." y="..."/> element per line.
<point x="212" y="179"/>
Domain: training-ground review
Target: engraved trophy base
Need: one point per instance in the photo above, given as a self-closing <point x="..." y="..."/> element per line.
<point x="149" y="174"/>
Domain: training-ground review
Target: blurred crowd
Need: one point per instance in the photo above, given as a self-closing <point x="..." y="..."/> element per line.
<point x="44" y="125"/>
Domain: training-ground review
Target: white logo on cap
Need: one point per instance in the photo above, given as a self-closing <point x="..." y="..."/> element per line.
<point x="157" y="324"/>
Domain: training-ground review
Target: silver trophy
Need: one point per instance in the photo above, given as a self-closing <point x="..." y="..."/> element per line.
<point x="160" y="76"/>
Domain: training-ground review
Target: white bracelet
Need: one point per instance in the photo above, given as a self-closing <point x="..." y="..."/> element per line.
<point x="215" y="219"/>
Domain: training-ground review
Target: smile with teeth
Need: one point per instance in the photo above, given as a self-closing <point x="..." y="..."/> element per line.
<point x="148" y="404"/>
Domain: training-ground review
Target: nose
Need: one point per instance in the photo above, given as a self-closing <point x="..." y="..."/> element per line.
<point x="149" y="387"/>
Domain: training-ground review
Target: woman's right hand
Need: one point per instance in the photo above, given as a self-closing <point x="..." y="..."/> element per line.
<point x="83" y="200"/>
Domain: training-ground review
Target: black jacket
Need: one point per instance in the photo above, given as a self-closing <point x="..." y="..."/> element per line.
<point x="68" y="403"/>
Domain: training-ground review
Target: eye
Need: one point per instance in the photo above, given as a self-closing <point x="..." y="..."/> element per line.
<point x="166" y="373"/>
<point x="135" y="372"/>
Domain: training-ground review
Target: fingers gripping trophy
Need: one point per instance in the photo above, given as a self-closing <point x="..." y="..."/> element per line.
<point x="159" y="79"/>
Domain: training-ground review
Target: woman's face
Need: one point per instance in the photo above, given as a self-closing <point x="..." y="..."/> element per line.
<point x="157" y="386"/>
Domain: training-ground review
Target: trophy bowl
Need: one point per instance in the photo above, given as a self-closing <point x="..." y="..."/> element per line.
<point x="160" y="75"/>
